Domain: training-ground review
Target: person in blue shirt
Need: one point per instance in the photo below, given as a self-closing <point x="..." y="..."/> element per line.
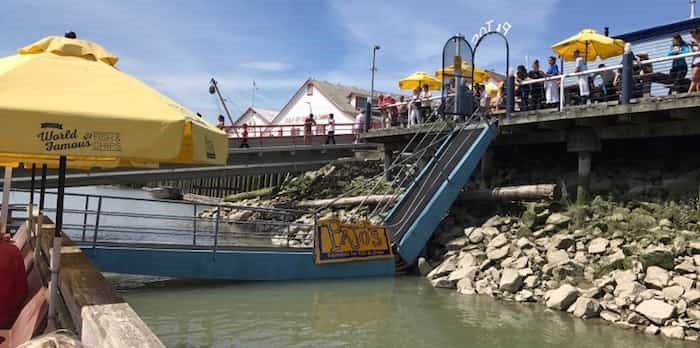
<point x="679" y="67"/>
<point x="552" y="87"/>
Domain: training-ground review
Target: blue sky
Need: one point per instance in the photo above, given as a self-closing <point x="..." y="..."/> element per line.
<point x="177" y="45"/>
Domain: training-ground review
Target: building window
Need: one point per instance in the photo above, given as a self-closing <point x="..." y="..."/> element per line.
<point x="360" y="102"/>
<point x="310" y="89"/>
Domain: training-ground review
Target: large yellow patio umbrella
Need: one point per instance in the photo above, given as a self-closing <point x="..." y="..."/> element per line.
<point x="418" y="79"/>
<point x="63" y="102"/>
<point x="480" y="75"/>
<point x="590" y="44"/>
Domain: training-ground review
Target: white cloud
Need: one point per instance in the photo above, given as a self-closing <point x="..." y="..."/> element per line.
<point x="267" y="66"/>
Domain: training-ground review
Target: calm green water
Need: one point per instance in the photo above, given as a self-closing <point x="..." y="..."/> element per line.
<point x="401" y="312"/>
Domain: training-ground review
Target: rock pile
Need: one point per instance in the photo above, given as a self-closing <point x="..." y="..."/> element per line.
<point x="635" y="266"/>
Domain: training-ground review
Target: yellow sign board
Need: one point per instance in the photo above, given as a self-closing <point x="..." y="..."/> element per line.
<point x="337" y="242"/>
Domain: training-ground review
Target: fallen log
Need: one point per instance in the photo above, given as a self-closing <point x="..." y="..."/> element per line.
<point x="508" y="193"/>
<point x="514" y="193"/>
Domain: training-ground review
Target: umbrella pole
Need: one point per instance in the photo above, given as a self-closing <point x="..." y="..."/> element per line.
<point x="56" y="253"/>
<point x="42" y="189"/>
<point x="6" y="187"/>
<point x="30" y="212"/>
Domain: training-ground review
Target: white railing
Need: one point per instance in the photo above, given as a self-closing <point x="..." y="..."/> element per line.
<point x="562" y="77"/>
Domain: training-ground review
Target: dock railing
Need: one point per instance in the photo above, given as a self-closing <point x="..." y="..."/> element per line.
<point x="104" y="220"/>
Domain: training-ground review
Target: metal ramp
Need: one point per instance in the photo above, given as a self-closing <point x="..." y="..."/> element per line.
<point x="418" y="212"/>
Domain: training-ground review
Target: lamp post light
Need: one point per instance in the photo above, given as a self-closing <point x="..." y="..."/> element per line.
<point x="368" y="109"/>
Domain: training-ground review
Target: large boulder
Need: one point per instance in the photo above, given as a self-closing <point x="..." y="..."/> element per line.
<point x="586" y="308"/>
<point x="613" y="261"/>
<point x="658" y="312"/>
<point x="598" y="246"/>
<point x="556" y="257"/>
<point x="498" y="254"/>
<point x="511" y="280"/>
<point x="447" y="266"/>
<point x="656" y="277"/>
<point x="692" y="296"/>
<point x="659" y="255"/>
<point x="673" y="332"/>
<point x="610" y="316"/>
<point x="687" y="266"/>
<point x="475" y="235"/>
<point x="673" y="293"/>
<point x="466" y="286"/>
<point x="561" y="298"/>
<point x="424" y="267"/>
<point x="498" y="241"/>
<point x="558" y="219"/>
<point x="457" y="243"/>
<point x="628" y="289"/>
<point x="466" y="272"/>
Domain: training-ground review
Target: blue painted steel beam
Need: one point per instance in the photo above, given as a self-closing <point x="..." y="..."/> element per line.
<point x="228" y="264"/>
<point x="428" y="220"/>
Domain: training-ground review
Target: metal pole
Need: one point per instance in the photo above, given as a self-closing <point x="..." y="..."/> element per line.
<point x="97" y="222"/>
<point x="627" y="75"/>
<point x="458" y="74"/>
<point x="42" y="189"/>
<point x="6" y="187"/>
<point x="216" y="88"/>
<point x="56" y="253"/>
<point x="85" y="216"/>
<point x="194" y="224"/>
<point x="368" y="115"/>
<point x="30" y="212"/>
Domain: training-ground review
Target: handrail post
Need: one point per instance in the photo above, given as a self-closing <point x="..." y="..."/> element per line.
<point x="97" y="222"/>
<point x="194" y="225"/>
<point x="85" y="216"/>
<point x="627" y="75"/>
<point x="562" y="96"/>
<point x="216" y="231"/>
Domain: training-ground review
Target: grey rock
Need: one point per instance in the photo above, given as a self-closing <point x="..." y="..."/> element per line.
<point x="561" y="241"/>
<point x="651" y="330"/>
<point x="498" y="254"/>
<point x="610" y="316"/>
<point x="623" y="277"/>
<point x="673" y="332"/>
<point x="511" y="280"/>
<point x="457" y="244"/>
<point x="460" y="273"/>
<point x="686" y="266"/>
<point x="658" y="312"/>
<point x="682" y="281"/>
<point x="628" y="290"/>
<point x="489" y="231"/>
<point x="636" y="319"/>
<point x="613" y="260"/>
<point x="466" y="259"/>
<point x="586" y="308"/>
<point x="661" y="256"/>
<point x="531" y="281"/>
<point x="498" y="241"/>
<point x="475" y="235"/>
<point x="524" y="296"/>
<point x="694" y="247"/>
<point x="465" y="286"/>
<point x="692" y="296"/>
<point x="442" y="282"/>
<point x="561" y="298"/>
<point x="447" y="266"/>
<point x="693" y="313"/>
<point x="483" y="287"/>
<point x="555" y="257"/>
<point x="518" y="263"/>
<point x="557" y="219"/>
<point x="424" y="267"/>
<point x="581" y="257"/>
<point x="673" y="293"/>
<point x="598" y="246"/>
<point x="656" y="277"/>
<point x="524" y="243"/>
<point x="494" y="221"/>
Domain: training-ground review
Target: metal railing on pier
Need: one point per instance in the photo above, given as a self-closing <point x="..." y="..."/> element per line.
<point x="103" y="220"/>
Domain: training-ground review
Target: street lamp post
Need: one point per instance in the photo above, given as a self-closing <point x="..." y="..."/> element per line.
<point x="368" y="109"/>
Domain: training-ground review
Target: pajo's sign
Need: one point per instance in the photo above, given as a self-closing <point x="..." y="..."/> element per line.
<point x="54" y="137"/>
<point x="338" y="242"/>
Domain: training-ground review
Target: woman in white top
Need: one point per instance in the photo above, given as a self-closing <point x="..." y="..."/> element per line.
<point x="583" y="87"/>
<point x="695" y="47"/>
<point x="414" y="108"/>
<point x="426" y="103"/>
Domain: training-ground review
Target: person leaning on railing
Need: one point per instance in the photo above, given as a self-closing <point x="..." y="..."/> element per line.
<point x="552" y="86"/>
<point x="522" y="90"/>
<point x="695" y="47"/>
<point x="679" y="67"/>
<point x="536" y="89"/>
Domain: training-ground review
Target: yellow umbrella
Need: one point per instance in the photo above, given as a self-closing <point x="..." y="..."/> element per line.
<point x="418" y="79"/>
<point x="63" y="101"/>
<point x="590" y="44"/>
<point x="480" y="75"/>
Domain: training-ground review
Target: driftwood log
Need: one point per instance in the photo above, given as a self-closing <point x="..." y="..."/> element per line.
<point x="508" y="193"/>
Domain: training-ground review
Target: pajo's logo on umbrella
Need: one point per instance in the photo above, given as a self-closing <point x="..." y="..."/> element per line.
<point x="55" y="138"/>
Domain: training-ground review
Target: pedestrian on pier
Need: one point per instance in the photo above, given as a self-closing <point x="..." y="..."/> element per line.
<point x="414" y="108"/>
<point x="244" y="140"/>
<point x="220" y="122"/>
<point x="330" y="136"/>
<point x="309" y="122"/>
<point x="584" y="89"/>
<point x="552" y="86"/>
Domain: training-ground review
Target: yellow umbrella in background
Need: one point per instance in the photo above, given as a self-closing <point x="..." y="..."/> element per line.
<point x="64" y="103"/>
<point x="590" y="44"/>
<point x="480" y="75"/>
<point x="418" y="79"/>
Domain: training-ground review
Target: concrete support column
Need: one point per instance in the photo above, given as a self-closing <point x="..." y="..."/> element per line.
<point x="584" y="177"/>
